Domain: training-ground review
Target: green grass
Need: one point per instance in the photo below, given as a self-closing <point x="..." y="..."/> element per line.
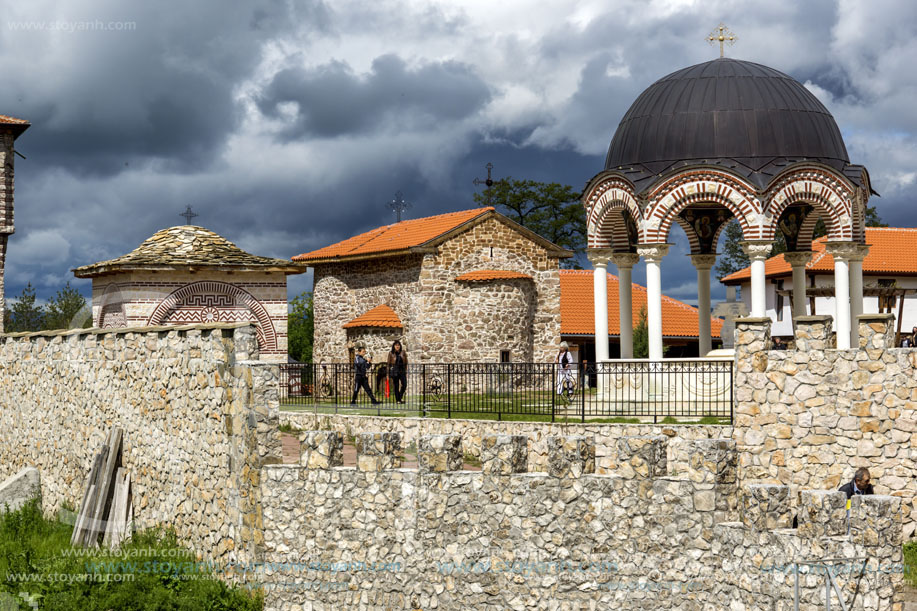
<point x="152" y="573"/>
<point x="910" y="562"/>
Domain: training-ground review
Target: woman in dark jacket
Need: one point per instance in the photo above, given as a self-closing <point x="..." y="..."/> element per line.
<point x="398" y="370"/>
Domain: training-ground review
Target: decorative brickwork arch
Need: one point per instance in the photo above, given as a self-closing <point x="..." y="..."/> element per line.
<point x="111" y="311"/>
<point x="829" y="193"/>
<point x="700" y="186"/>
<point x="609" y="201"/>
<point x="198" y="293"/>
<point x="693" y="240"/>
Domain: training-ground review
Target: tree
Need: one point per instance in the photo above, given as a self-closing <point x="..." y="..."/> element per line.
<point x="24" y="314"/>
<point x="641" y="337"/>
<point x="301" y="327"/>
<point x="551" y="210"/>
<point x="67" y="310"/>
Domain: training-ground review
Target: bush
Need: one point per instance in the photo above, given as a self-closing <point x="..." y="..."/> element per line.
<point x="151" y="572"/>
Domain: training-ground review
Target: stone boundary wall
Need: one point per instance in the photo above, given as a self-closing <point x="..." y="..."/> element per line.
<point x="377" y="536"/>
<point x="199" y="422"/>
<point x="809" y="417"/>
<point x="607" y="436"/>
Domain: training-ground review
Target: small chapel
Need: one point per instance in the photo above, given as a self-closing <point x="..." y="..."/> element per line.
<point x="190" y="275"/>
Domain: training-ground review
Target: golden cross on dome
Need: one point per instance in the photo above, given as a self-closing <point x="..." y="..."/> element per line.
<point x="723" y="36"/>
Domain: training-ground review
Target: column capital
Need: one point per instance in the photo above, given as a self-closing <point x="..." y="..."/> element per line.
<point x="798" y="259"/>
<point x="703" y="262"/>
<point x="757" y="250"/>
<point x="599" y="256"/>
<point x="861" y="251"/>
<point x="845" y="251"/>
<point x="653" y="253"/>
<point x="625" y="260"/>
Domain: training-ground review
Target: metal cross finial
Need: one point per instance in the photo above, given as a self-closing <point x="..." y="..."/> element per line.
<point x="188" y="215"/>
<point x="490" y="181"/>
<point x="398" y="205"/>
<point x="723" y="36"/>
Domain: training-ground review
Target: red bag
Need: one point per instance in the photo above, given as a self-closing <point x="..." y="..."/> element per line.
<point x="386" y="388"/>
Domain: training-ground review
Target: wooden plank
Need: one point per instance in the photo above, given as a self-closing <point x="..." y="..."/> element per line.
<point x="81" y="515"/>
<point x="112" y="460"/>
<point x="900" y="320"/>
<point x="117" y="518"/>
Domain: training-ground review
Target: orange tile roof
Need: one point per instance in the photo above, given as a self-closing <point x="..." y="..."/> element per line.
<point x="396" y="237"/>
<point x="18" y="125"/>
<point x="492" y="274"/>
<point x="577" y="308"/>
<point x="379" y="316"/>
<point x="891" y="251"/>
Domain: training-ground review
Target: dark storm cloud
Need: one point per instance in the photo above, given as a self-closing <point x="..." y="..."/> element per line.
<point x="332" y="101"/>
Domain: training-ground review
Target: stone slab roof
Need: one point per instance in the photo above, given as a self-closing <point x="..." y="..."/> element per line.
<point x="891" y="252"/>
<point x="577" y="308"/>
<point x="187" y="247"/>
<point x="483" y="275"/>
<point x="379" y="316"/>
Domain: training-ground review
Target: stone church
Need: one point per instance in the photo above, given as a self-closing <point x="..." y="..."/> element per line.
<point x="468" y="286"/>
<point x="190" y="275"/>
<point x="10" y="129"/>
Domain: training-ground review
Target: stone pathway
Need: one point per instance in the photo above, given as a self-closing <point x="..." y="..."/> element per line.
<point x="291" y="454"/>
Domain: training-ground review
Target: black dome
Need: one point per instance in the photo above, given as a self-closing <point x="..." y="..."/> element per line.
<point x="725" y="112"/>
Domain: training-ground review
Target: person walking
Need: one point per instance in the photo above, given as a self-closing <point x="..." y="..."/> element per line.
<point x="398" y="370"/>
<point x="361" y="366"/>
<point x="564" y="361"/>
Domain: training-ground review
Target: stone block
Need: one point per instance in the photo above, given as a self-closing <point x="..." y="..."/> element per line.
<point x="822" y="513"/>
<point x="377" y="451"/>
<point x="641" y="457"/>
<point x="877" y="331"/>
<point x="813" y="333"/>
<point x="876" y="520"/>
<point x="321" y="449"/>
<point x="712" y="461"/>
<point x="766" y="507"/>
<point x="439" y="453"/>
<point x="571" y="456"/>
<point x="19" y="489"/>
<point x="504" y="454"/>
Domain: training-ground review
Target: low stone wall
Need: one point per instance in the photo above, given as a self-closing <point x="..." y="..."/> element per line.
<point x="809" y="417"/>
<point x="199" y="422"/>
<point x="377" y="537"/>
<point x="606" y="435"/>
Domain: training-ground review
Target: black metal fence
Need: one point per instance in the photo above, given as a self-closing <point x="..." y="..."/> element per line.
<point x="675" y="388"/>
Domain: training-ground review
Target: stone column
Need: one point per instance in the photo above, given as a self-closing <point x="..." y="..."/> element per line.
<point x="856" y="291"/>
<point x="600" y="258"/>
<point x="798" y="261"/>
<point x="625" y="262"/>
<point x="842" y="252"/>
<point x="703" y="264"/>
<point x="653" y="254"/>
<point x="758" y="252"/>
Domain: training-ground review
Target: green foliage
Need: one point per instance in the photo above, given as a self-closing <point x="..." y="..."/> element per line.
<point x="301" y="327"/>
<point x="25" y="315"/>
<point x="67" y="310"/>
<point x="641" y="337"/>
<point x="551" y="210"/>
<point x="152" y="572"/>
<point x="910" y="562"/>
<point x="873" y="219"/>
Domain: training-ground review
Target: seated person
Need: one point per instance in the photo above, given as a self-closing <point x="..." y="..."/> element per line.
<point x="860" y="484"/>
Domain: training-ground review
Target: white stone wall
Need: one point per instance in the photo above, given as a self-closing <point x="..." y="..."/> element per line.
<point x="137" y="295"/>
<point x="199" y="421"/>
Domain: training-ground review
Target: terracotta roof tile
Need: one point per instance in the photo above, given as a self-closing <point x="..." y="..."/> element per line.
<point x="379" y="316"/>
<point x="492" y="274"/>
<point x="17" y="126"/>
<point x="395" y="237"/>
<point x="186" y="246"/>
<point x="891" y="251"/>
<point x="577" y="308"/>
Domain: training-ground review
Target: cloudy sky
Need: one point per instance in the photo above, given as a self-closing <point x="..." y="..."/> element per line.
<point x="288" y="125"/>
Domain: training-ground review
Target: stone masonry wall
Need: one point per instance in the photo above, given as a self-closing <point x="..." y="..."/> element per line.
<point x="380" y="537"/>
<point x="445" y="325"/>
<point x="809" y="417"/>
<point x="199" y="421"/>
<point x="129" y="299"/>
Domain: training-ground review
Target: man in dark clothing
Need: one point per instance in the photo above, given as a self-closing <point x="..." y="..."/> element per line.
<point x="361" y="366"/>
<point x="860" y="484"/>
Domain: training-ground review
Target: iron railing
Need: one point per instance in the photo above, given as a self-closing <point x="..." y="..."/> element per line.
<point x="643" y="389"/>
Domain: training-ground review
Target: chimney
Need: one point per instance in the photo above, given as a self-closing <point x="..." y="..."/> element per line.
<point x="10" y="129"/>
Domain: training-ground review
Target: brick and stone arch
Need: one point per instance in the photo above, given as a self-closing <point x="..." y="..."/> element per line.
<point x="111" y="313"/>
<point x="706" y="186"/>
<point x="830" y="194"/>
<point x="211" y="301"/>
<point x="613" y="217"/>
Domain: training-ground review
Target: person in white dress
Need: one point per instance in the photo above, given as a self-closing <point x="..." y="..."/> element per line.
<point x="564" y="367"/>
